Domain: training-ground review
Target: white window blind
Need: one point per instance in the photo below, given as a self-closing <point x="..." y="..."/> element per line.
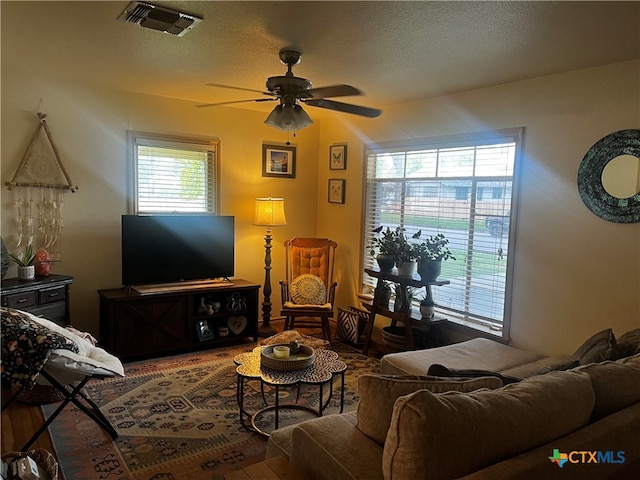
<point x="173" y="175"/>
<point x="460" y="186"/>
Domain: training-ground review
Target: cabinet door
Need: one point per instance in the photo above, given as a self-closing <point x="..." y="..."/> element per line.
<point x="151" y="326"/>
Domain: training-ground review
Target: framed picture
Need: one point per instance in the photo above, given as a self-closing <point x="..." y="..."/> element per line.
<point x="336" y="190"/>
<point x="204" y="330"/>
<point x="278" y="161"/>
<point x="338" y="157"/>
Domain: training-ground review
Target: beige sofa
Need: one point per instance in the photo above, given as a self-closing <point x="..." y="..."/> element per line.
<point x="410" y="426"/>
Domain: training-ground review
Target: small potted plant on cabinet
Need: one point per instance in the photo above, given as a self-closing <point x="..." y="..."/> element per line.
<point x="25" y="262"/>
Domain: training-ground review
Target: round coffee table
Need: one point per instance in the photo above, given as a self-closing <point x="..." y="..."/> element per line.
<point x="325" y="367"/>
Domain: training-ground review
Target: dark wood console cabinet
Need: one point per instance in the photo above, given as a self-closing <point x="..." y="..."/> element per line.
<point x="154" y="324"/>
<point x="46" y="297"/>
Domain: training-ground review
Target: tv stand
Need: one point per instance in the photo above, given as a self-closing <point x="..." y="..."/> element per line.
<point x="180" y="318"/>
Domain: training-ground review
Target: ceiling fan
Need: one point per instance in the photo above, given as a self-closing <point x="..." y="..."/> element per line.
<point x="290" y="90"/>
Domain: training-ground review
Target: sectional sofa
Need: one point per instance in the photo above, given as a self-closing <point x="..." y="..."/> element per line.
<point x="504" y="413"/>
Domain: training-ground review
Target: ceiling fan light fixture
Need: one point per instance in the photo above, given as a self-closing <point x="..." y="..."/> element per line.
<point x="288" y="118"/>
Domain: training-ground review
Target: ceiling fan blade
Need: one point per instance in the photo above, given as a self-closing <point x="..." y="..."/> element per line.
<point x="236" y="101"/>
<point x="220" y="85"/>
<point x="333" y="91"/>
<point x="344" y="107"/>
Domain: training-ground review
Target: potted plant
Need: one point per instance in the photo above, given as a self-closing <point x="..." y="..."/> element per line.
<point x="406" y="256"/>
<point x="427" y="306"/>
<point x="386" y="247"/>
<point x="430" y="254"/>
<point x="25" y="262"/>
<point x="398" y="304"/>
<point x="385" y="294"/>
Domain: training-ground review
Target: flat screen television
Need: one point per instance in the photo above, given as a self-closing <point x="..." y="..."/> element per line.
<point x="174" y="248"/>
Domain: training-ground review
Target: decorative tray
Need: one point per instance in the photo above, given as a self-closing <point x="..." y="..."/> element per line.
<point x="296" y="361"/>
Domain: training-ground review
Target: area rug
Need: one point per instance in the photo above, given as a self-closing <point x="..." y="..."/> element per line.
<point x="177" y="418"/>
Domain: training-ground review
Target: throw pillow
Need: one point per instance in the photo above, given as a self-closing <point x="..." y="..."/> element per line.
<point x="308" y="289"/>
<point x="597" y="348"/>
<point x="351" y="324"/>
<point x="616" y="385"/>
<point x="450" y="435"/>
<point x="438" y="370"/>
<point x="379" y="392"/>
<point x="629" y="343"/>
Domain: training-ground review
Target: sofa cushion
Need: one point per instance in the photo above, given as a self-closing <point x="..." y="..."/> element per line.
<point x="479" y="353"/>
<point x="616" y="384"/>
<point x="449" y="435"/>
<point x="334" y="448"/>
<point x="542" y="366"/>
<point x="599" y="347"/>
<point x="629" y="343"/>
<point x="378" y="393"/>
<point x="618" y="432"/>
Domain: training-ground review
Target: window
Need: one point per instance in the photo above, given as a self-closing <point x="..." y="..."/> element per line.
<point x="464" y="187"/>
<point x="173" y="174"/>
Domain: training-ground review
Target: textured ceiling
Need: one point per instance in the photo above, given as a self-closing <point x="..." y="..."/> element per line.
<point x="395" y="52"/>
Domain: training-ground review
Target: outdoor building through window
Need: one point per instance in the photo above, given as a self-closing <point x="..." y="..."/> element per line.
<point x="465" y="188"/>
<point x="173" y="174"/>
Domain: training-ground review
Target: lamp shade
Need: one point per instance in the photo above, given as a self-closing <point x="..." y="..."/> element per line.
<point x="270" y="212"/>
<point x="288" y="118"/>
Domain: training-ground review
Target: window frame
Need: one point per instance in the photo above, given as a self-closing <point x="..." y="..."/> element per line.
<point x="515" y="135"/>
<point x="210" y="144"/>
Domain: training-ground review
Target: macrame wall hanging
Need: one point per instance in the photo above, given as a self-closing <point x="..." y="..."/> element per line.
<point x="39" y="183"/>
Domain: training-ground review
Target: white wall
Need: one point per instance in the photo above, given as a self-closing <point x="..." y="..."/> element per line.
<point x="90" y="127"/>
<point x="575" y="273"/>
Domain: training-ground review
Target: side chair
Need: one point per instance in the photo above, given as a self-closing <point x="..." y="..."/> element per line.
<point x="308" y="292"/>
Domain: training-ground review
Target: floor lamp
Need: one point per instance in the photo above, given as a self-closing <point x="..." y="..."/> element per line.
<point x="269" y="213"/>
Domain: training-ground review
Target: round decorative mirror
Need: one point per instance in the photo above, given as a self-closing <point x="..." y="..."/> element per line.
<point x="609" y="177"/>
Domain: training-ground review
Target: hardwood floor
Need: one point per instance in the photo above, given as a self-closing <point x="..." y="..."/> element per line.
<point x="20" y="420"/>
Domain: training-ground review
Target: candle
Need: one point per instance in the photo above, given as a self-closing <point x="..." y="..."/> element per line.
<point x="280" y="351"/>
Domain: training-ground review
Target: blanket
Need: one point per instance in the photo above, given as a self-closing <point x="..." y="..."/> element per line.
<point x="26" y="346"/>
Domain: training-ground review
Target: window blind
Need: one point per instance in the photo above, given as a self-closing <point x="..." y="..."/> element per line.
<point x="174" y="176"/>
<point x="462" y="187"/>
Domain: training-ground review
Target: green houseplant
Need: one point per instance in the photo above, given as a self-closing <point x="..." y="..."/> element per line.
<point x="430" y="254"/>
<point x="25" y="262"/>
<point x="427" y="306"/>
<point x="386" y="246"/>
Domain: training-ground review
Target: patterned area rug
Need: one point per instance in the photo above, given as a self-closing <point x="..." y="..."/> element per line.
<point x="177" y="418"/>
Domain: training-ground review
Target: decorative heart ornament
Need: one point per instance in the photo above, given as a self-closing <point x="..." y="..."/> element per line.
<point x="237" y="323"/>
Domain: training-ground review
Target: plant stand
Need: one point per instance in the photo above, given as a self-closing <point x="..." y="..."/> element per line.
<point x="404" y="315"/>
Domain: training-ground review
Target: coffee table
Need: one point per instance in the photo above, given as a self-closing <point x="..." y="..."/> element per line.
<point x="324" y="369"/>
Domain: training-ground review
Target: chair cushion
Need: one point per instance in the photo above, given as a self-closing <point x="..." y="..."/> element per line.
<point x="308" y="289"/>
<point x="378" y="394"/>
<point x="295" y="306"/>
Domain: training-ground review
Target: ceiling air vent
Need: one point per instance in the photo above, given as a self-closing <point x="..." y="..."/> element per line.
<point x="159" y="18"/>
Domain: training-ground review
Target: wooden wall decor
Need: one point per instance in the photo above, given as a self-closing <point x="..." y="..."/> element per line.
<point x="39" y="181"/>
